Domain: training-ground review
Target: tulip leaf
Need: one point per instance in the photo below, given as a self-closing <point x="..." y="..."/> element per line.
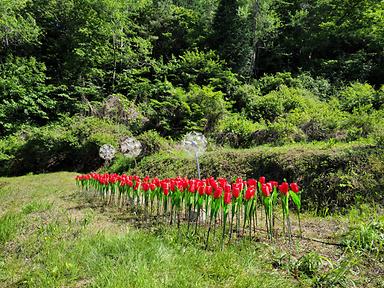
<point x="296" y="199"/>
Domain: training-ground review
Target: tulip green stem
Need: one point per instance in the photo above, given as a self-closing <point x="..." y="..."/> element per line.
<point x="232" y="216"/>
<point x="224" y="222"/>
<point x="209" y="230"/>
<point x="298" y="217"/>
<point x="189" y="216"/>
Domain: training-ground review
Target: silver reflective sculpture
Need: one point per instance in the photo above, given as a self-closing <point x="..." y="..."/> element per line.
<point x="130" y="147"/>
<point x="107" y="152"/>
<point x="195" y="143"/>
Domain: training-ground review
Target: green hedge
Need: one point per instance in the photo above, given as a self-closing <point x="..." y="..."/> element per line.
<point x="332" y="177"/>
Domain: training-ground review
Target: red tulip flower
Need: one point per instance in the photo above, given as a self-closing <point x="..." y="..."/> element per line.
<point x="192" y="188"/>
<point x="145" y="186"/>
<point x="262" y="179"/>
<point x="217" y="193"/>
<point x="249" y="193"/>
<point x="236" y="192"/>
<point x="266" y="189"/>
<point x="284" y="188"/>
<point x="227" y="189"/>
<point x="274" y="183"/>
<point x="252" y="182"/>
<point x="208" y="190"/>
<point x="227" y="198"/>
<point x="294" y="187"/>
<point x="201" y="190"/>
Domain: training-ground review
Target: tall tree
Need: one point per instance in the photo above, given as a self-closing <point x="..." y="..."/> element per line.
<point x="264" y="23"/>
<point x="232" y="36"/>
<point x="18" y="28"/>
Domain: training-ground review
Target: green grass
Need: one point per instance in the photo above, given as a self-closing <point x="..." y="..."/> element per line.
<point x="51" y="236"/>
<point x="8" y="226"/>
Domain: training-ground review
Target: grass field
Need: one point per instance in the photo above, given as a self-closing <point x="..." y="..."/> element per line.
<point x="51" y="235"/>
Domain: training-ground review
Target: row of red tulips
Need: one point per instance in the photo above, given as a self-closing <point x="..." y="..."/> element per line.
<point x="200" y="201"/>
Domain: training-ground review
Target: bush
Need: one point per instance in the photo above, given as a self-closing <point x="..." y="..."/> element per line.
<point x="200" y="68"/>
<point x="243" y="96"/>
<point x="269" y="83"/>
<point x="152" y="142"/>
<point x="8" y="148"/>
<point x="236" y="131"/>
<point x="118" y="109"/>
<point x="279" y="103"/>
<point x="25" y="97"/>
<point x="179" y="111"/>
<point x="319" y="86"/>
<point x="356" y="96"/>
<point x="285" y="133"/>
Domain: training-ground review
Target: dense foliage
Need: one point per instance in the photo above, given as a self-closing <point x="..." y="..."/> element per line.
<point x="75" y="74"/>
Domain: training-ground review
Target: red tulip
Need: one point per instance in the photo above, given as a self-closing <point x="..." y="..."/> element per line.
<point x="227" y="188"/>
<point x="145" y="186"/>
<point x="284" y="187"/>
<point x="208" y="190"/>
<point x="236" y="191"/>
<point x="249" y="193"/>
<point x="227" y="198"/>
<point x="192" y="188"/>
<point x="294" y="187"/>
<point x="266" y="189"/>
<point x="262" y="179"/>
<point x="217" y="193"/>
<point x="274" y="183"/>
<point x="201" y="190"/>
<point x="252" y="182"/>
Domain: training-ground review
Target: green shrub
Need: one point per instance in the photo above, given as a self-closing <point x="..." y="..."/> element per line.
<point x="359" y="124"/>
<point x="120" y="164"/>
<point x="285" y="133"/>
<point x="319" y="86"/>
<point x="9" y="146"/>
<point x="236" y="131"/>
<point x="279" y="103"/>
<point x="152" y="142"/>
<point x="356" y="96"/>
<point x="243" y="96"/>
<point x="269" y="83"/>
<point x="25" y="97"/>
<point x="320" y="121"/>
<point x="200" y="68"/>
<point x="179" y="111"/>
